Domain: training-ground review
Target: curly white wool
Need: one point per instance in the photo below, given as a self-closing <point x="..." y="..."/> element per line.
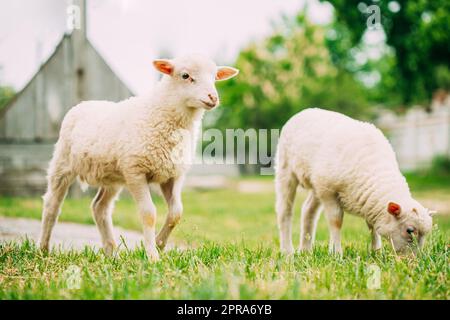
<point x="347" y="165"/>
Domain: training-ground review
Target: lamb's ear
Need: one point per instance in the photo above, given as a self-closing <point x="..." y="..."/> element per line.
<point x="225" y="73"/>
<point x="163" y="65"/>
<point x="394" y="209"/>
<point x="432" y="212"/>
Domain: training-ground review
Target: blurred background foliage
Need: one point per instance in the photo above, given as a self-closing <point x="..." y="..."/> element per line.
<point x="303" y="65"/>
<point x="418" y="32"/>
<point x="6" y="93"/>
<point x="295" y="68"/>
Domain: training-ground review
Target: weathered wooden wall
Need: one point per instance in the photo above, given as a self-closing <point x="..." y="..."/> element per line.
<point x="29" y="125"/>
<point x="23" y="168"/>
<point x="37" y="111"/>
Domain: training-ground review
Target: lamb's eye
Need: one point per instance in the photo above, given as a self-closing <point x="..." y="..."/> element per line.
<point x="410" y="230"/>
<point x="185" y="76"/>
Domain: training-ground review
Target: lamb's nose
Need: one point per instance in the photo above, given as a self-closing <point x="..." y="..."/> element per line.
<point x="212" y="98"/>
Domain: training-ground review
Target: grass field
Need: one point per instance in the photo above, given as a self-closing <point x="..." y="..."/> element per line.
<point x="229" y="251"/>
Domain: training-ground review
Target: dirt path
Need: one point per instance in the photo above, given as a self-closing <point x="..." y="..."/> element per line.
<point x="66" y="234"/>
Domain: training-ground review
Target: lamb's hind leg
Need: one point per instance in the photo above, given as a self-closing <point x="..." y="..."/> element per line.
<point x="138" y="187"/>
<point x="310" y="215"/>
<point x="102" y="207"/>
<point x="59" y="182"/>
<point x="286" y="187"/>
<point x="172" y="194"/>
<point x="334" y="216"/>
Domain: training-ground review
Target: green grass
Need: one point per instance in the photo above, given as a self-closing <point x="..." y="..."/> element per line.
<point x="232" y="252"/>
<point x="423" y="181"/>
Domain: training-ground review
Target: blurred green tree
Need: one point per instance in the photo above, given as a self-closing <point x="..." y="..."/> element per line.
<point x="6" y="94"/>
<point x="418" y="32"/>
<point x="290" y="70"/>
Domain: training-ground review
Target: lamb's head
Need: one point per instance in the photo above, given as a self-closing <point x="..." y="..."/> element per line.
<point x="405" y="224"/>
<point x="191" y="80"/>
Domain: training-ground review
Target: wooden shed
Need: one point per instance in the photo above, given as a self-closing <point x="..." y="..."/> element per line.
<point x="29" y="124"/>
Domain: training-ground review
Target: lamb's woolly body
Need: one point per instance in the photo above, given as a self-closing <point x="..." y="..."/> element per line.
<point x="335" y="154"/>
<point x="344" y="159"/>
<point x="103" y="140"/>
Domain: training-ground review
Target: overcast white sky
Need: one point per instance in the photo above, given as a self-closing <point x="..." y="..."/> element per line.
<point x="130" y="33"/>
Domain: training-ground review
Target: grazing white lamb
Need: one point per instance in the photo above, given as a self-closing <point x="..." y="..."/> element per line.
<point x="347" y="165"/>
<point x="142" y="140"/>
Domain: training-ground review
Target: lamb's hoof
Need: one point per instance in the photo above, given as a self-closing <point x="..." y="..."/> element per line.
<point x="109" y="249"/>
<point x="161" y="245"/>
<point x="336" y="253"/>
<point x="305" y="249"/>
<point x="287" y="251"/>
<point x="44" y="247"/>
<point x="153" y="255"/>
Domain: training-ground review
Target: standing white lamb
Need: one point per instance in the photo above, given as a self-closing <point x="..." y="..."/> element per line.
<point x="132" y="143"/>
<point x="347" y="165"/>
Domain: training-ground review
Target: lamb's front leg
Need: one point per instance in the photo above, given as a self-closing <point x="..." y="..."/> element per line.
<point x="138" y="187"/>
<point x="376" y="241"/>
<point x="310" y="215"/>
<point x="376" y="238"/>
<point x="334" y="216"/>
<point x="172" y="193"/>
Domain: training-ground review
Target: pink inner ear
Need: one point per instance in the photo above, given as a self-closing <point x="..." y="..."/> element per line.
<point x="163" y="66"/>
<point x="224" y="73"/>
<point x="394" y="208"/>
